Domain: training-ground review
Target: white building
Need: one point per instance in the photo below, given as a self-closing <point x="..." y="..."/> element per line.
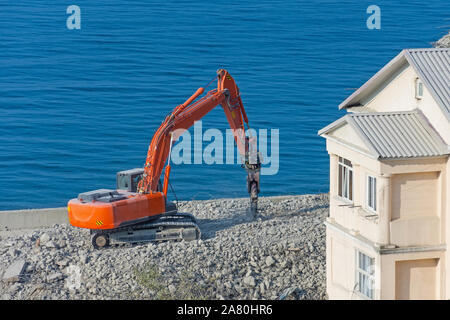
<point x="389" y="221"/>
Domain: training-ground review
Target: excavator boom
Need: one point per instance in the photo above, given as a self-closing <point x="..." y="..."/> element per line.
<point x="184" y="116"/>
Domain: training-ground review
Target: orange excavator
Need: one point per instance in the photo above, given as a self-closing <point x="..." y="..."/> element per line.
<point x="138" y="210"/>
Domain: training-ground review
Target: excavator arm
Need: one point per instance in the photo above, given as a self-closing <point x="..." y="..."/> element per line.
<point x="184" y="116"/>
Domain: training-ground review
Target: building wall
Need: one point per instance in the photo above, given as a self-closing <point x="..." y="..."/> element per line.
<point x="341" y="265"/>
<point x="412" y="205"/>
<point x="397" y="95"/>
<point x="446" y="223"/>
<point x="423" y="221"/>
<point x="413" y="275"/>
<point x="353" y="215"/>
<point x="416" y="279"/>
<point x="357" y="217"/>
<point x="411" y="202"/>
<point x="409" y="192"/>
<point x="415" y="219"/>
<point x="346" y="134"/>
<point x="403" y="275"/>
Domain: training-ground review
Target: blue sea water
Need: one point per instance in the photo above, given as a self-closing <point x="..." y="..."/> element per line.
<point x="76" y="106"/>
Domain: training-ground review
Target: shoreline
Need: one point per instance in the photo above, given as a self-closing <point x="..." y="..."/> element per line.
<point x="18" y="219"/>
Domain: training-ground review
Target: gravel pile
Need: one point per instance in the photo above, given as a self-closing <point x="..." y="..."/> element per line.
<point x="444" y="42"/>
<point x="281" y="253"/>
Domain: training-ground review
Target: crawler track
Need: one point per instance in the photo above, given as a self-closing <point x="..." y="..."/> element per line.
<point x="168" y="227"/>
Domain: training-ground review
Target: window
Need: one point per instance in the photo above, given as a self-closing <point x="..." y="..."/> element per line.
<point x="345" y="188"/>
<point x="419" y="89"/>
<point x="365" y="279"/>
<point x="372" y="193"/>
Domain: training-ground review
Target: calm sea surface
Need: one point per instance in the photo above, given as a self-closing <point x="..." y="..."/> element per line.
<point x="76" y="106"/>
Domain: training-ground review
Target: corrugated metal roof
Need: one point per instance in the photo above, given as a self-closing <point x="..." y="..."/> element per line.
<point x="433" y="67"/>
<point x="391" y="135"/>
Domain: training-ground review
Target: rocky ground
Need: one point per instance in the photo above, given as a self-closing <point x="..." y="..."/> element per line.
<point x="238" y="257"/>
<point x="444" y="42"/>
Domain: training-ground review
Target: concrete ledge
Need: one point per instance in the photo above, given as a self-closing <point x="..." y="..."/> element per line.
<point x="330" y="223"/>
<point x="33" y="218"/>
<point x="442" y="247"/>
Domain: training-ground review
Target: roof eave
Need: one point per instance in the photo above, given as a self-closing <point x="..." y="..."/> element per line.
<point x="351" y="147"/>
<point x="347" y="119"/>
<point x="352" y="101"/>
<point x="335" y="124"/>
<point x="415" y="157"/>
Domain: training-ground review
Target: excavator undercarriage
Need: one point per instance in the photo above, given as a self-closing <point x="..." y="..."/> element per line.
<point x="170" y="225"/>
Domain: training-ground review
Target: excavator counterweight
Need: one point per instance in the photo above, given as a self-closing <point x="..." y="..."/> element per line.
<point x="138" y="210"/>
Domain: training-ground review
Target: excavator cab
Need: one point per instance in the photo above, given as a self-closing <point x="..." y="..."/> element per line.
<point x="128" y="180"/>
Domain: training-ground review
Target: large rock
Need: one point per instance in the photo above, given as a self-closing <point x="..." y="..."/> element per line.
<point x="250" y="281"/>
<point x="44" y="238"/>
<point x="269" y="261"/>
<point x="15" y="271"/>
<point x="56" y="276"/>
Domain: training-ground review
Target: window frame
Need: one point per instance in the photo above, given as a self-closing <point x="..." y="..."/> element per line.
<point x="370" y="276"/>
<point x="345" y="179"/>
<point x="371" y="192"/>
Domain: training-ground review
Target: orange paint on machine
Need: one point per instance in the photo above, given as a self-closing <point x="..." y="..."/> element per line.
<point x="109" y="215"/>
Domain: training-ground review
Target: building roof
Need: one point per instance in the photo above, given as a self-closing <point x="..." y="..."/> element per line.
<point x="391" y="135"/>
<point x="433" y="68"/>
<point x="432" y="65"/>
